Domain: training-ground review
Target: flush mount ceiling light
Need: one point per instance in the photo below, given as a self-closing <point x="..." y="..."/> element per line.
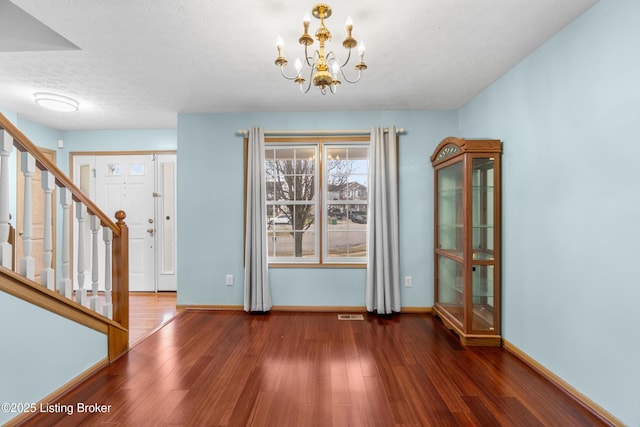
<point x="56" y="102"/>
<point x="324" y="69"/>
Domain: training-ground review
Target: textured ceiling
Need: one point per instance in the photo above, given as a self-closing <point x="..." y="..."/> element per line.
<point x="137" y="63"/>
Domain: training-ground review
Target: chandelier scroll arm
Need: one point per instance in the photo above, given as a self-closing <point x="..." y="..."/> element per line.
<point x="346" y="79"/>
<point x="284" y="74"/>
<point x="308" y="58"/>
<point x="331" y="56"/>
<point x="308" y="82"/>
<point x="346" y="60"/>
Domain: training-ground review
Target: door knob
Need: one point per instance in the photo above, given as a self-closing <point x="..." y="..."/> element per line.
<point x="150" y="231"/>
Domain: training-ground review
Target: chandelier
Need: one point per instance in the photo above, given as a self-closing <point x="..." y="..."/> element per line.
<point x="324" y="70"/>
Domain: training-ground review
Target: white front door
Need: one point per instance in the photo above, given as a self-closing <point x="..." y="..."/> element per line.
<point x="136" y="184"/>
<point x="127" y="183"/>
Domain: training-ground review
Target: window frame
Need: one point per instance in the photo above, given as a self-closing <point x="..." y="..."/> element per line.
<point x="321" y="258"/>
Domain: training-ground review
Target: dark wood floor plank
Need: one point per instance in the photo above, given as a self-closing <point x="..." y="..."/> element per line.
<point x="311" y="369"/>
<point x="481" y="412"/>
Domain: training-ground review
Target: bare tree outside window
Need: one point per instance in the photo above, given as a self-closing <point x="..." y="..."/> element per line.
<point x="291" y="191"/>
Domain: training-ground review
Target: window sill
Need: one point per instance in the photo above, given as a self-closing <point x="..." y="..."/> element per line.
<point x="312" y="265"/>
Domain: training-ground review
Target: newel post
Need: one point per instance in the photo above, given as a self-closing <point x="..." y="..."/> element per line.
<point x="120" y="272"/>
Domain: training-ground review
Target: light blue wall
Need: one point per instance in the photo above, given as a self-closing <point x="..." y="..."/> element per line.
<point x="40" y="135"/>
<point x="115" y="140"/>
<point x="569" y="117"/>
<point x="41" y="351"/>
<point x="210" y="204"/>
<point x="13" y="117"/>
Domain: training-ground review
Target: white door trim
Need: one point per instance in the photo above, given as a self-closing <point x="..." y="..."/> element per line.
<point x="164" y="271"/>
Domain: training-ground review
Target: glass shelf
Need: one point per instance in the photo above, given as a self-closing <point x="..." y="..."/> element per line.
<point x="482" y="256"/>
<point x="450" y="192"/>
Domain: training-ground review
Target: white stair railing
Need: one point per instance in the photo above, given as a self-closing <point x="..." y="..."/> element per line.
<point x="57" y="275"/>
<point x="48" y="274"/>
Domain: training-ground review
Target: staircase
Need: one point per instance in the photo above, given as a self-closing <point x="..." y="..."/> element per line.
<point x="56" y="291"/>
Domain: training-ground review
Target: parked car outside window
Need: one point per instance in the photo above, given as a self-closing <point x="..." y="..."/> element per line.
<point x="359" y="219"/>
<point x="280" y="219"/>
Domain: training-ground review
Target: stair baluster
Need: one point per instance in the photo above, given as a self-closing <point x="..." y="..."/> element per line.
<point x="27" y="263"/>
<point x="65" y="287"/>
<point x="81" y="216"/>
<point x="94" y="223"/>
<point x="47" y="276"/>
<point x="107" y="309"/>
<point x="6" y="249"/>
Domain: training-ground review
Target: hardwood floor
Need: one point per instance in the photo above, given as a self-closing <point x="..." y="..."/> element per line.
<point x="147" y="311"/>
<point x="207" y="368"/>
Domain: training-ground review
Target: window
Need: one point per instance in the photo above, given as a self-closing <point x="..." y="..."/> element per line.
<point x="317" y="200"/>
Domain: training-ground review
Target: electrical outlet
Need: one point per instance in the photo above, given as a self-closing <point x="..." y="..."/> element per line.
<point x="229" y="281"/>
<point x="408" y="281"/>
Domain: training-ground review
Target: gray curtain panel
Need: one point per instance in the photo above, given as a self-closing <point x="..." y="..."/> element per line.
<point x="257" y="295"/>
<point x="383" y="265"/>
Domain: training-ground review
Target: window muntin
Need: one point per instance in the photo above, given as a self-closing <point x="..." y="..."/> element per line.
<point x="317" y="201"/>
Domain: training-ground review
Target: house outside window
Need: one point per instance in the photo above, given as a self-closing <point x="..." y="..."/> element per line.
<point x="317" y="200"/>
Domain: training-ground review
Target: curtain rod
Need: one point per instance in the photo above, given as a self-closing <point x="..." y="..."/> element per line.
<point x="242" y="132"/>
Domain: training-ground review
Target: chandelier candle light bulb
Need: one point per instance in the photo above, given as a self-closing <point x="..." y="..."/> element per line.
<point x="318" y="62"/>
<point x="336" y="69"/>
<point x="306" y="20"/>
<point x="279" y="46"/>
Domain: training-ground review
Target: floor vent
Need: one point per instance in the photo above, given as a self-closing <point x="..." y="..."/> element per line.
<point x="350" y="317"/>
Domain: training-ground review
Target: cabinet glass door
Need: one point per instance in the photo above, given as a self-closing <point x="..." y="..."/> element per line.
<point x="482" y="298"/>
<point x="482" y="209"/>
<point x="451" y="287"/>
<point x="482" y="226"/>
<point x="450" y="209"/>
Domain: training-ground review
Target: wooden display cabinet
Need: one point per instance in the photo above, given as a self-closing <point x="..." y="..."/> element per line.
<point x="467" y="238"/>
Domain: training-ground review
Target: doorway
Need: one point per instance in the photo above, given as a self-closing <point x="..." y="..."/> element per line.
<point x="143" y="185"/>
